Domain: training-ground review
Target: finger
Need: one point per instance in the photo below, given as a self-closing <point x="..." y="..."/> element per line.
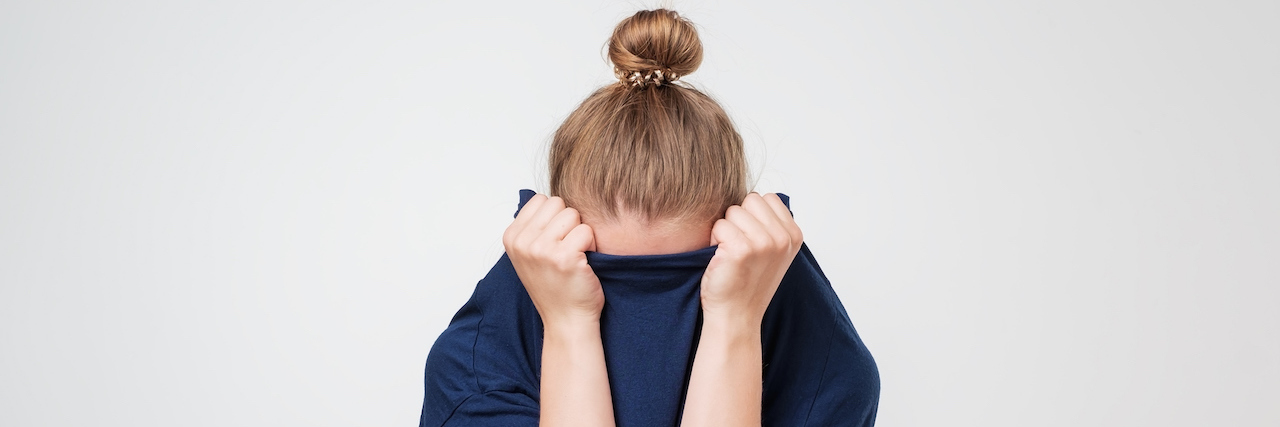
<point x="764" y="213"/>
<point x="725" y="231"/>
<point x="778" y="207"/>
<point x="546" y="211"/>
<point x="784" y="215"/>
<point x="777" y="226"/>
<point x="529" y="210"/>
<point x="581" y="239"/>
<point x="523" y="217"/>
<point x="751" y="227"/>
<point x="560" y="224"/>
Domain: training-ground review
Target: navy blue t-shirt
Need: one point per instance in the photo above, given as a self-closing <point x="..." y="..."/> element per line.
<point x="483" y="370"/>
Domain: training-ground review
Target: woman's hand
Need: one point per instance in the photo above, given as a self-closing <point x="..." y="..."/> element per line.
<point x="758" y="240"/>
<point x="547" y="244"/>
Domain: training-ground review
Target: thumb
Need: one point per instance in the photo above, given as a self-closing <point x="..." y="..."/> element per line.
<point x="581" y="239"/>
<point x="723" y="230"/>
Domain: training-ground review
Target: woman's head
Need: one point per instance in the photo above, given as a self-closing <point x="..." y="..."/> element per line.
<point x="648" y="147"/>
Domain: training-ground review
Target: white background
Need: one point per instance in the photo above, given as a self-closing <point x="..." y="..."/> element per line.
<point x="263" y="212"/>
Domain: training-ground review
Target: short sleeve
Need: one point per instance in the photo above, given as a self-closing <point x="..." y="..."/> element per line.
<point x="495" y="408"/>
<point x="483" y="369"/>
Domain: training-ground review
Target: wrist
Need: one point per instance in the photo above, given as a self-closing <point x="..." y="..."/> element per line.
<point x="730" y="330"/>
<point x="571" y="330"/>
<point x="731" y="320"/>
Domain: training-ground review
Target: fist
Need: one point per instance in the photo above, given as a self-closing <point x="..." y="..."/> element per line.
<point x="757" y="242"/>
<point x="547" y="244"/>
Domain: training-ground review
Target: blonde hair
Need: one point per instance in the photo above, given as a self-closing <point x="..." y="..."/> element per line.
<point x="648" y="145"/>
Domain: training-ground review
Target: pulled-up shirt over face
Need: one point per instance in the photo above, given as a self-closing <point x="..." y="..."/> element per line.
<point x="484" y="368"/>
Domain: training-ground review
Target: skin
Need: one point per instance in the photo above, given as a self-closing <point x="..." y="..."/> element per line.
<point x="636" y="236"/>
<point x="757" y="242"/>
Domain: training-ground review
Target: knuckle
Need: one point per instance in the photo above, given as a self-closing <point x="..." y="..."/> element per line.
<point x="573" y="215"/>
<point x="781" y="239"/>
<point x="532" y="205"/>
<point x="526" y="243"/>
<point x="774" y="199"/>
<point x="513" y="239"/>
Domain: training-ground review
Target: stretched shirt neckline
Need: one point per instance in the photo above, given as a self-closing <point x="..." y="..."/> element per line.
<point x="698" y="258"/>
<point x="694" y="258"/>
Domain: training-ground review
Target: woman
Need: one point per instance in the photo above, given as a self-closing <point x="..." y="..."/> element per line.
<point x="651" y="288"/>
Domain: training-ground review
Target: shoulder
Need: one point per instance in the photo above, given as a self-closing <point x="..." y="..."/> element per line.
<point x="492" y="344"/>
<point x="816" y="365"/>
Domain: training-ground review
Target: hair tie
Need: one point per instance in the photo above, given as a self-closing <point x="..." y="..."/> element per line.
<point x="645" y="78"/>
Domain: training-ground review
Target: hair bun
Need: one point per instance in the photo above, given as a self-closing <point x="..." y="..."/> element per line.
<point x="654" y="47"/>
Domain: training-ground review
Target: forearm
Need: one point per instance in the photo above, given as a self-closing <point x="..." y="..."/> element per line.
<point x="575" y="384"/>
<point x="726" y="382"/>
